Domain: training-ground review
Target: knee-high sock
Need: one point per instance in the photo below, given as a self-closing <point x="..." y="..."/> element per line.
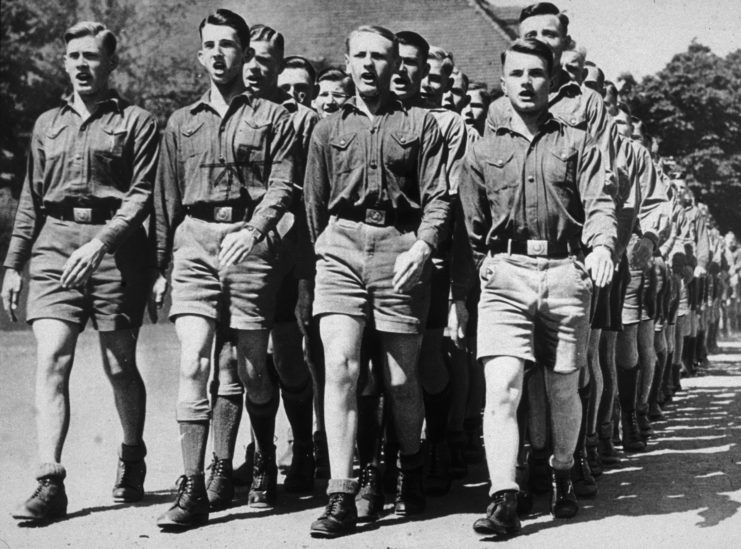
<point x="627" y="389"/>
<point x="299" y="407"/>
<point x="193" y="438"/>
<point x="226" y="415"/>
<point x="262" y="418"/>
<point x="437" y="409"/>
<point x="370" y="429"/>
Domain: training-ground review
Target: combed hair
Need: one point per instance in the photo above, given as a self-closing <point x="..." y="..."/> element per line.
<point x="298" y="62"/>
<point x="546" y="8"/>
<point x="438" y="53"/>
<point x="600" y="72"/>
<point x="375" y="29"/>
<point x="97" y="30"/>
<point x="531" y="46"/>
<point x="227" y="18"/>
<point x="263" y="33"/>
<point x="464" y="77"/>
<point x="481" y="87"/>
<point x="411" y="38"/>
<point x="335" y="74"/>
<point x="580" y="51"/>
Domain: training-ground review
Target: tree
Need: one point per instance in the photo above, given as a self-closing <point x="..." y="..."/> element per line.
<point x="693" y="106"/>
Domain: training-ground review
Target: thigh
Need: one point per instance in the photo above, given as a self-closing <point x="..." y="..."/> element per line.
<point x="398" y="312"/>
<point x="55" y="340"/>
<point x="118" y="290"/>
<point x="341" y="336"/>
<point x="46" y="298"/>
<point x="561" y="325"/>
<point x="252" y="350"/>
<point x="339" y="286"/>
<point x="401" y="357"/>
<point x="196" y="334"/>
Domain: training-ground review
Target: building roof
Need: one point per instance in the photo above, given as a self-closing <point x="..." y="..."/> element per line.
<point x="473" y="30"/>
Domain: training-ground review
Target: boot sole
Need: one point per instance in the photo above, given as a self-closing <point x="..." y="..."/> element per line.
<point x="39" y="521"/>
<point x="495" y="530"/>
<point x="179" y="526"/>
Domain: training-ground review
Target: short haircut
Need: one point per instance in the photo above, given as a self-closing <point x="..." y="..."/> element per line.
<point x="228" y="18"/>
<point x="96" y="30"/>
<point x="439" y="54"/>
<point x="531" y="46"/>
<point x="375" y="29"/>
<point x="580" y="51"/>
<point x="411" y="38"/>
<point x="546" y="8"/>
<point x="298" y="62"/>
<point x="335" y="74"/>
<point x="611" y="89"/>
<point x="464" y="78"/>
<point x="263" y="33"/>
<point x="481" y="87"/>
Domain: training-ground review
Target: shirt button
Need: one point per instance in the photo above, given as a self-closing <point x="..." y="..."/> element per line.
<point x="573" y="121"/>
<point x="373" y="164"/>
<point x="222" y="159"/>
<point x="531" y="179"/>
<point x="342" y="141"/>
<point x="78" y="157"/>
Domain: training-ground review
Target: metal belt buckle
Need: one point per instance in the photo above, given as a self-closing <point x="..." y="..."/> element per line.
<point x="537" y="247"/>
<point x="375" y="217"/>
<point x="223" y="214"/>
<point x="82" y="215"/>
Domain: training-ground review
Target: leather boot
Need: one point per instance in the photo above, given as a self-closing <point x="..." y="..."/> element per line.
<point x="501" y="515"/>
<point x="220" y="488"/>
<point x="338" y="519"/>
<point x="563" y="498"/>
<point x="191" y="505"/>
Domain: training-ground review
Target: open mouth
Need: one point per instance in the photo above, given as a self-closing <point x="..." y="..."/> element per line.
<point x="368" y="78"/>
<point x="219" y="65"/>
<point x="526" y="95"/>
<point x="84" y="77"/>
<point x="331" y="107"/>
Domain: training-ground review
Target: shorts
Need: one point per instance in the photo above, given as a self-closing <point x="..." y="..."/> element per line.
<point x="535" y="309"/>
<point x="114" y="297"/>
<point x="437" y="318"/>
<point x="607" y="304"/>
<point x="241" y="296"/>
<point x="354" y="271"/>
<point x="637" y="306"/>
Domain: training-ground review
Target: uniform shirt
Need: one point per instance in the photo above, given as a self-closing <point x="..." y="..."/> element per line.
<point x="395" y="161"/>
<point x="552" y="188"/>
<point x="628" y="198"/>
<point x="303" y="120"/>
<point x="654" y="215"/>
<point x="690" y="242"/>
<point x="578" y="107"/>
<point x="106" y="160"/>
<point x="247" y="157"/>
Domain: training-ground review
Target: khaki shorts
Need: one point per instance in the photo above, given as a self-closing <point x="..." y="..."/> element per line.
<point x="354" y="271"/>
<point x="115" y="295"/>
<point x="535" y="309"/>
<point x="241" y="296"/>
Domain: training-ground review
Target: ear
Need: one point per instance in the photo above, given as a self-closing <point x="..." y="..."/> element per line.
<point x="113" y="62"/>
<point x="347" y="64"/>
<point x="202" y="58"/>
<point x="425" y="70"/>
<point x="249" y="53"/>
<point x="584" y="73"/>
<point x="503" y="84"/>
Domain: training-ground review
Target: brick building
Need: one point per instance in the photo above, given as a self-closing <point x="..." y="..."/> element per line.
<point x="474" y="30"/>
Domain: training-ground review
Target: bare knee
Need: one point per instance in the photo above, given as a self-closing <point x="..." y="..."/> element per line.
<point x="342" y="372"/>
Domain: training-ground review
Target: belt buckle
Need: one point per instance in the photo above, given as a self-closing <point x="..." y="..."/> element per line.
<point x="223" y="214"/>
<point x="375" y="217"/>
<point x="537" y="247"/>
<point x="82" y="215"/>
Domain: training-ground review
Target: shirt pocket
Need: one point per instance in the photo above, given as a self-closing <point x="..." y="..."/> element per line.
<point x="55" y="142"/>
<point x="502" y="179"/>
<point x="251" y="150"/>
<point x="113" y="142"/>
<point x="347" y="153"/>
<point x="401" y="150"/>
<point x="560" y="170"/>
<point x="108" y="153"/>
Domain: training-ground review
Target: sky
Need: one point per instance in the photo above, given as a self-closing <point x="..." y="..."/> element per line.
<point x="641" y="36"/>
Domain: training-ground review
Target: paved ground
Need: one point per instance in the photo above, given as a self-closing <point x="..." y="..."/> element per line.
<point x="684" y="492"/>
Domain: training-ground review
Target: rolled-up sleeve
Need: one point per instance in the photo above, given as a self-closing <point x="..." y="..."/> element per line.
<point x="136" y="204"/>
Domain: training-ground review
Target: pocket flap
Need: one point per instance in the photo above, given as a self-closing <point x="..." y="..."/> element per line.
<point x="342" y="142"/>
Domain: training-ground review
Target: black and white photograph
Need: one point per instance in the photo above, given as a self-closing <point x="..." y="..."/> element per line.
<point x="389" y="274"/>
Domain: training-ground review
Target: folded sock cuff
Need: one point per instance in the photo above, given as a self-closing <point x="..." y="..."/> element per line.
<point x="342" y="486"/>
<point x="194" y="410"/>
<point x="55" y="470"/>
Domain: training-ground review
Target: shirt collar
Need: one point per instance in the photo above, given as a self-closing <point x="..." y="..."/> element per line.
<point x="567" y="86"/>
<point x="205" y="100"/>
<point x="392" y="105"/>
<point x="111" y="99"/>
<point x="549" y="121"/>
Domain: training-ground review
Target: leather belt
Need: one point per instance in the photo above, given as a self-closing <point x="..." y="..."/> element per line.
<point x="219" y="213"/>
<point x="81" y="214"/>
<point x="534" y="248"/>
<point x="380" y="217"/>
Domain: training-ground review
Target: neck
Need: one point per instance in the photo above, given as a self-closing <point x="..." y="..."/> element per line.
<point x="527" y="123"/>
<point x="224" y="93"/>
<point x="372" y="104"/>
<point x="86" y="105"/>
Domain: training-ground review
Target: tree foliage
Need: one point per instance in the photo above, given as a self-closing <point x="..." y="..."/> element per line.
<point x="693" y="107"/>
